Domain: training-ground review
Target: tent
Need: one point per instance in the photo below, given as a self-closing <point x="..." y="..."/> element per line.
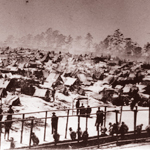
<point x="12" y="100"/>
<point x="51" y="79"/>
<point x="42" y="93"/>
<point x="3" y="92"/>
<point x="4" y="83"/>
<point x="68" y="81"/>
<point x="82" y="77"/>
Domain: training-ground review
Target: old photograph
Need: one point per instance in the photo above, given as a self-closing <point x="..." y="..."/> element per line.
<point x="75" y="74"/>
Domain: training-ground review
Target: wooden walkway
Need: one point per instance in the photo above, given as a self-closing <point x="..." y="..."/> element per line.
<point x="94" y="142"/>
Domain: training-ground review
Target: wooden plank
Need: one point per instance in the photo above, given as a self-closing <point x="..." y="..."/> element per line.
<point x="45" y="125"/>
<point x="67" y="124"/>
<point x="22" y="128"/>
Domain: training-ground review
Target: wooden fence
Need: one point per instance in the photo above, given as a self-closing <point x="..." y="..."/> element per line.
<point x="23" y="119"/>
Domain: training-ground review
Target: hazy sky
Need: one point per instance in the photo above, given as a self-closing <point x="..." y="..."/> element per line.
<point x="76" y="17"/>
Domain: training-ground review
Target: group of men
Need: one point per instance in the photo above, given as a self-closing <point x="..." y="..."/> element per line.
<point x="82" y="110"/>
<point x="81" y="136"/>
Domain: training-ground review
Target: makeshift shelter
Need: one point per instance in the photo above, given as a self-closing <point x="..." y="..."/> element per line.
<point x="4" y="83"/>
<point x="52" y="79"/>
<point x="68" y="81"/>
<point x="3" y="92"/>
<point x="83" y="79"/>
<point x="13" y="100"/>
<point x="42" y="93"/>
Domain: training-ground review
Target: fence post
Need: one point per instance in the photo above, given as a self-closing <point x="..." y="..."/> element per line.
<point x="117" y="124"/>
<point x="149" y="115"/>
<point x="98" y="135"/>
<point x="135" y="118"/>
<point x="105" y="117"/>
<point x="86" y="123"/>
<point x="45" y="125"/>
<point x="120" y="114"/>
<point x="67" y="124"/>
<point x="78" y="126"/>
<point x="0" y="133"/>
<point x="22" y="127"/>
<point x="31" y="133"/>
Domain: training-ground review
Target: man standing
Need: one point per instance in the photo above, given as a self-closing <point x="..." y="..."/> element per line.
<point x="99" y="118"/>
<point x="54" y="123"/>
<point x="53" y="94"/>
<point x="82" y="110"/>
<point x="88" y="111"/>
<point x="77" y="106"/>
<point x="123" y="129"/>
<point x="9" y="117"/>
<point x="11" y="111"/>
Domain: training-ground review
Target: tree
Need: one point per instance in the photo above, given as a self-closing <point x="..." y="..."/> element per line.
<point x="88" y="41"/>
<point x="69" y="41"/>
<point x="48" y="37"/>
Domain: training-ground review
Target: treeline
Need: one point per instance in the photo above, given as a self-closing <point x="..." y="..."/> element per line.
<point x="54" y="40"/>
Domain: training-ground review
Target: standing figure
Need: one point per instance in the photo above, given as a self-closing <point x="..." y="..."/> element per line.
<point x="77" y="106"/>
<point x="11" y="111"/>
<point x="110" y="128"/>
<point x="7" y="124"/>
<point x="88" y="111"/>
<point x="99" y="118"/>
<point x="79" y="133"/>
<point x="54" y="123"/>
<point x="123" y="129"/>
<point x="53" y="94"/>
<point x="85" y="137"/>
<point x="34" y="139"/>
<point x="72" y="134"/>
<point x="82" y="110"/>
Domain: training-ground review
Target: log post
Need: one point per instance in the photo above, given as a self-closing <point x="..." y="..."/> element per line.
<point x="98" y="135"/>
<point x="0" y="132"/>
<point x="45" y="125"/>
<point x="22" y="127"/>
<point x="86" y="122"/>
<point x="78" y="126"/>
<point x="149" y="115"/>
<point x="105" y="117"/>
<point x="117" y="124"/>
<point x="31" y="133"/>
<point x="116" y="116"/>
<point x="135" y="118"/>
<point x="67" y="123"/>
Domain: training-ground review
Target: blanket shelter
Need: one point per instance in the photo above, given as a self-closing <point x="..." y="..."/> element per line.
<point x="42" y="93"/>
<point x="52" y="79"/>
<point x="3" y="92"/>
<point x="4" y="83"/>
<point x="83" y="79"/>
<point x="13" y="100"/>
<point x="68" y="81"/>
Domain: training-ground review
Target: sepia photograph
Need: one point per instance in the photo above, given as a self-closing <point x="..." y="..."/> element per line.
<point x="75" y="74"/>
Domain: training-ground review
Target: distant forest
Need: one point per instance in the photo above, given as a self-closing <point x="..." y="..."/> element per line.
<point x="115" y="44"/>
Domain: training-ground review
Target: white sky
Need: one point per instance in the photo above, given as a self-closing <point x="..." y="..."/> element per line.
<point x="76" y="17"/>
